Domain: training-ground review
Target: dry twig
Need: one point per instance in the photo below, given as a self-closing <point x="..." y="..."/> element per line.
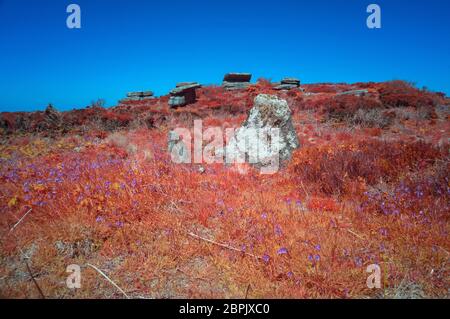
<point x="107" y="278"/>
<point x="223" y="245"/>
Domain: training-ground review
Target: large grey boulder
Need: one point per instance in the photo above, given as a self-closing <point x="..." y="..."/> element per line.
<point x="267" y="137"/>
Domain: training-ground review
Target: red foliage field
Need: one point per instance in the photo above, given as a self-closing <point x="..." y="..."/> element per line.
<point x="369" y="185"/>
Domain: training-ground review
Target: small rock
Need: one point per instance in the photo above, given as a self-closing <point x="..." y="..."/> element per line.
<point x="354" y="92"/>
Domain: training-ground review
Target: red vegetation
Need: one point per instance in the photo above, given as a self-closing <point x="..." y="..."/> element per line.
<point x="100" y="189"/>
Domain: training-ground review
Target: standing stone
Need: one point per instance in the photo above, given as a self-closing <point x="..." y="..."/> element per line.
<point x="253" y="140"/>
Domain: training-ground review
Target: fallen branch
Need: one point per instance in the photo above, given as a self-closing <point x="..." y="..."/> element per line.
<point x="223" y="245"/>
<point x="34" y="280"/>
<point x="107" y="278"/>
<point x="353" y="233"/>
<point x="20" y="220"/>
<point x="246" y="292"/>
<point x="304" y="189"/>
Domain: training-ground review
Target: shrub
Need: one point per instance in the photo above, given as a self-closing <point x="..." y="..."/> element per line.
<point x="403" y="94"/>
<point x="344" y="107"/>
<point x="339" y="170"/>
<point x="372" y="118"/>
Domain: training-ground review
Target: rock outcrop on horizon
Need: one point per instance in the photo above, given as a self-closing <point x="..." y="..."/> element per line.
<point x="138" y="96"/>
<point x="236" y="81"/>
<point x="287" y="84"/>
<point x="184" y="94"/>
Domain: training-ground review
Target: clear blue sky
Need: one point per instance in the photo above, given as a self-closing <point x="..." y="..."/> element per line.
<point x="127" y="45"/>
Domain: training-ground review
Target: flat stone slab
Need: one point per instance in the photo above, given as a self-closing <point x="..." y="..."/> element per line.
<point x="286" y="87"/>
<point x="354" y="92"/>
<point x="235" y="85"/>
<point x="293" y="81"/>
<point x="180" y="84"/>
<point x="237" y="77"/>
<point x="136" y="98"/>
<point x="181" y="90"/>
<point x="140" y="94"/>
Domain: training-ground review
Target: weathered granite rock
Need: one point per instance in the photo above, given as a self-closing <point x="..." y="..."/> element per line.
<point x="354" y="92"/>
<point x="235" y="85"/>
<point x="236" y="81"/>
<point x="293" y="81"/>
<point x="267" y="136"/>
<point x="176" y="101"/>
<point x="237" y="77"/>
<point x="285" y="87"/>
<point x="183" y="95"/>
<point x="140" y="94"/>
<point x="287" y="84"/>
<point x="188" y="84"/>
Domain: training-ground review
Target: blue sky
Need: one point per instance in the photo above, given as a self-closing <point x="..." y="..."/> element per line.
<point x="128" y="45"/>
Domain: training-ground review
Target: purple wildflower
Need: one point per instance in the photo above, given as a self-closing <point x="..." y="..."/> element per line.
<point x="278" y="231"/>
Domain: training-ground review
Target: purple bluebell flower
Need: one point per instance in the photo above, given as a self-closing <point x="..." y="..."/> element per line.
<point x="317" y="247"/>
<point x="383" y="231"/>
<point x="119" y="224"/>
<point x="282" y="251"/>
<point x="266" y="258"/>
<point x="278" y="230"/>
<point x="358" y="261"/>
